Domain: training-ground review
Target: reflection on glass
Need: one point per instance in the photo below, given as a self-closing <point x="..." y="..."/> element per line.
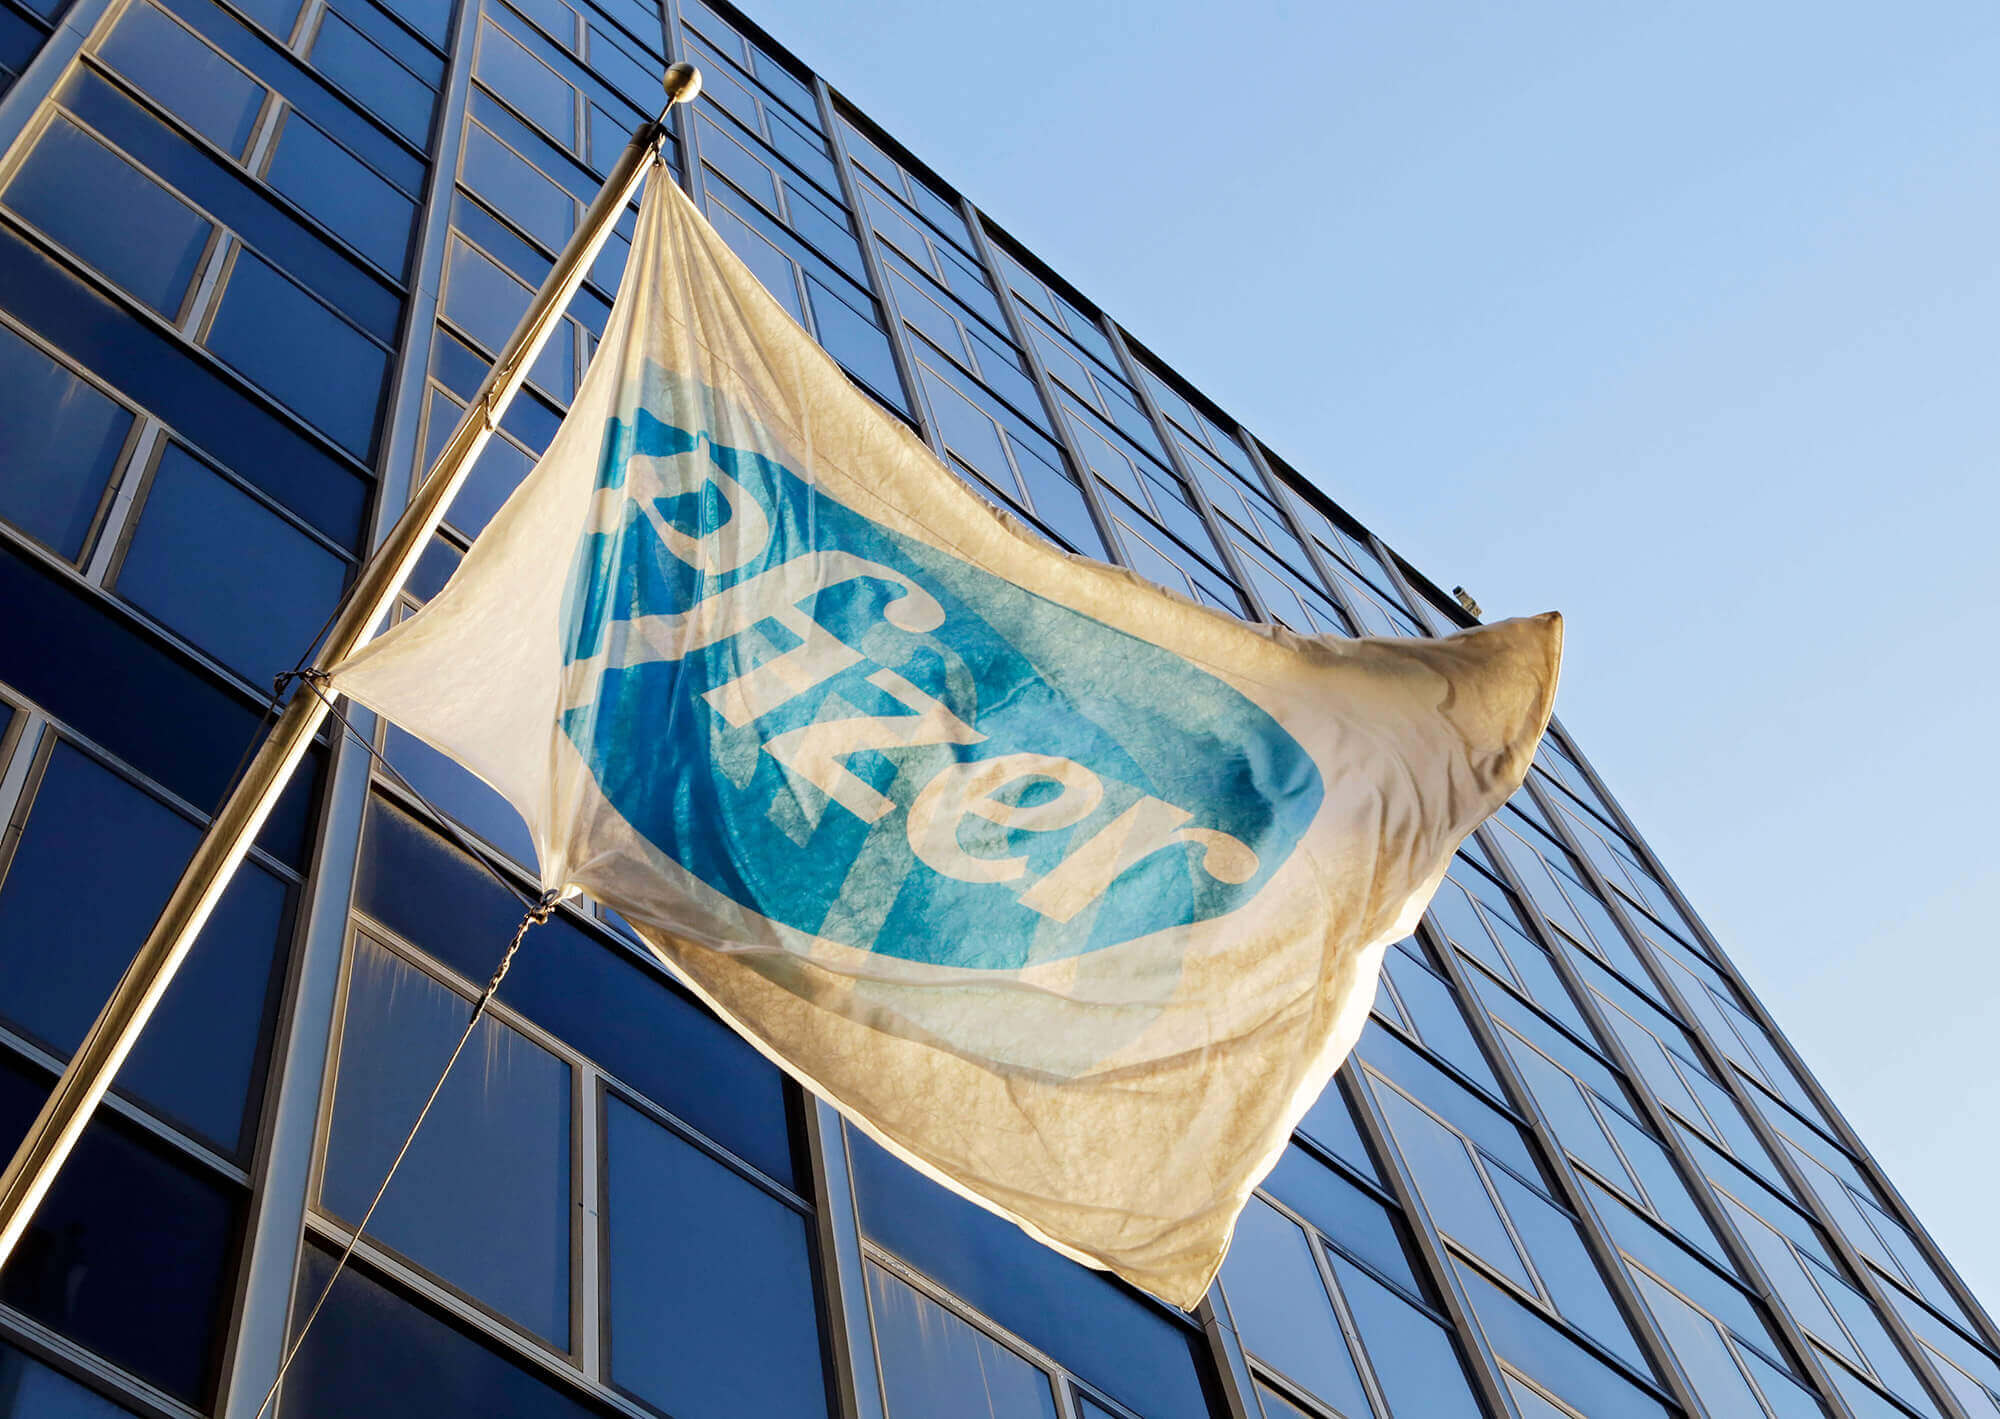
<point x="1281" y="1310"/>
<point x="935" y="1366"/>
<point x="492" y="1159"/>
<point x="708" y="1279"/>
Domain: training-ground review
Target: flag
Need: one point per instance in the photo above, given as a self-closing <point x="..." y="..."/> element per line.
<point x="1070" y="892"/>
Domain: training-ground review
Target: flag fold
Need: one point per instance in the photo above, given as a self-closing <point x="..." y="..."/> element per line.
<point x="1070" y="892"/>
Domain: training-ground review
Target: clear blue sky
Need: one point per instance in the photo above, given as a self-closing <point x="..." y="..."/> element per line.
<point x="1683" y="320"/>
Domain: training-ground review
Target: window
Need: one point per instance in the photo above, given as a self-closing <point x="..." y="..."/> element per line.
<point x="214" y="563"/>
<point x="32" y="1390"/>
<point x="95" y="862"/>
<point x="128" y="1254"/>
<point x="1135" y="1351"/>
<point x="372" y="1352"/>
<point x="1300" y="1305"/>
<point x="1508" y="1224"/>
<point x="595" y="995"/>
<point x="354" y="200"/>
<point x="272" y="331"/>
<point x="492" y="1160"/>
<point x="214" y="97"/>
<point x="63" y="439"/>
<point x="68" y="185"/>
<point x="708" y="1278"/>
<point x="1423" y="1005"/>
<point x="934" y="1363"/>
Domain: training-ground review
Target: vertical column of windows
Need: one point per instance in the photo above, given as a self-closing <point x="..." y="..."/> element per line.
<point x="770" y="187"/>
<point x="1155" y="517"/>
<point x="976" y="386"/>
<point x="604" y="1113"/>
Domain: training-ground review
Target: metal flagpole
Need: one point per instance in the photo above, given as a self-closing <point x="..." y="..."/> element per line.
<point x="76" y="1095"/>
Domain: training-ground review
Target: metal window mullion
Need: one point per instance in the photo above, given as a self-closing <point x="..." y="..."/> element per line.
<point x="589" y="1307"/>
<point x="1217" y="526"/>
<point x="111" y="535"/>
<point x="1602" y="1249"/>
<point x="1483" y="1364"/>
<point x="1038" y="373"/>
<point x="1316" y="556"/>
<point x="1724" y="1073"/>
<point x="1398" y="583"/>
<point x="1225" y="1352"/>
<point x="1850" y="1140"/>
<point x="1661" y="1124"/>
<point x="843" y="1277"/>
<point x="871" y="260"/>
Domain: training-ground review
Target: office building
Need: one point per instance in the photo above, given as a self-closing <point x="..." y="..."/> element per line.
<point x="254" y="255"/>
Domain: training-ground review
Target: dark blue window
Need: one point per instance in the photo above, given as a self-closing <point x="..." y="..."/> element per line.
<point x="299" y="350"/>
<point x="709" y="1280"/>
<point x="373" y="1353"/>
<point x="579" y="987"/>
<point x="1131" y="1348"/>
<point x="32" y="1390"/>
<point x="95" y="863"/>
<point x="218" y="566"/>
<point x="62" y="439"/>
<point x="1280" y="1306"/>
<point x="934" y="1363"/>
<point x="533" y="201"/>
<point x="1412" y="1355"/>
<point x="355" y="62"/>
<point x="454" y="790"/>
<point x="214" y="97"/>
<point x="88" y="666"/>
<point x="159" y="373"/>
<point x="352" y="198"/>
<point x="222" y="190"/>
<point x="492" y="1160"/>
<point x="115" y="217"/>
<point x="129" y="1254"/>
<point x="1343" y="1211"/>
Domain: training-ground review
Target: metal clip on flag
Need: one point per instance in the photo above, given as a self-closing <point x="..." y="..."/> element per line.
<point x="1070" y="892"/>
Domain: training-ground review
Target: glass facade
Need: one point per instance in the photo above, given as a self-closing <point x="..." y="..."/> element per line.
<point x="255" y="255"/>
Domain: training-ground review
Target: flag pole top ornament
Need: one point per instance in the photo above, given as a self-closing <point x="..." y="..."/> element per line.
<point x="682" y="83"/>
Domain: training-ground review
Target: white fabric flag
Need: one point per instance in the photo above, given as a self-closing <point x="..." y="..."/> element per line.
<point x="1070" y="892"/>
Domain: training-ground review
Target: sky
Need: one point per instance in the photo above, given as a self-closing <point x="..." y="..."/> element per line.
<point x="1681" y="319"/>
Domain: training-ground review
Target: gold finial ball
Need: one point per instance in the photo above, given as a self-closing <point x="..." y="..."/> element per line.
<point x="683" y="83"/>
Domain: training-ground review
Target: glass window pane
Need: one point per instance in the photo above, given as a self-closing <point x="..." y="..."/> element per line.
<point x="492" y="1160"/>
<point x="342" y="191"/>
<point x="115" y="217"/>
<point x="1412" y="1355"/>
<point x="1341" y="1210"/>
<point x="1330" y="1123"/>
<point x="300" y="351"/>
<point x="535" y="203"/>
<point x="1281" y="1310"/>
<point x="373" y="1353"/>
<point x="709" y="1281"/>
<point x="1703" y="1355"/>
<point x="1571" y="1277"/>
<point x="129" y="1252"/>
<point x="934" y="1364"/>
<point x="357" y="64"/>
<point x="95" y="861"/>
<point x="542" y="97"/>
<point x="62" y="439"/>
<point x="214" y="97"/>
<point x="1450" y="1185"/>
<point x="224" y="570"/>
<point x="31" y="1390"/>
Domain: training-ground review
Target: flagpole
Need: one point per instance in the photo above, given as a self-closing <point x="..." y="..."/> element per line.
<point x="379" y="582"/>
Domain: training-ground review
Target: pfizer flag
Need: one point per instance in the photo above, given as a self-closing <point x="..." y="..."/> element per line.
<point x="1068" y="891"/>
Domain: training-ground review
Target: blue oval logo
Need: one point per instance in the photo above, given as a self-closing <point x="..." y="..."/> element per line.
<point x="864" y="738"/>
